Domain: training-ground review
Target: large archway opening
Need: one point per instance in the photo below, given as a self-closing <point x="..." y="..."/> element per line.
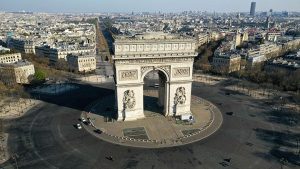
<point x="155" y="93"/>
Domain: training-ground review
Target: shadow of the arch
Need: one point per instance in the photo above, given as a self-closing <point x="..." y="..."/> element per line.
<point x="77" y="99"/>
<point x="151" y="105"/>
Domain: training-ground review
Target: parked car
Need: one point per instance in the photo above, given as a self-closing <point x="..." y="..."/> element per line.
<point x="78" y="126"/>
<point x="83" y="120"/>
<point x="98" y="131"/>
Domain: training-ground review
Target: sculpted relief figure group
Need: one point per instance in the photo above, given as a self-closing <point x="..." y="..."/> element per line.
<point x="180" y="96"/>
<point x="129" y="99"/>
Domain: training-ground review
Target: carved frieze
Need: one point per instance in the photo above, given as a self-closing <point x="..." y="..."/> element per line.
<point x="145" y="69"/>
<point x="129" y="99"/>
<point x="180" y="96"/>
<point x="128" y="75"/>
<point x="154" y="60"/>
<point x="165" y="68"/>
<point x="181" y="72"/>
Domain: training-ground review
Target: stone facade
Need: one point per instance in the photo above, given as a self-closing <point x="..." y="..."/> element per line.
<point x="18" y="72"/>
<point x="10" y="57"/>
<point x="56" y="54"/>
<point x="226" y="63"/>
<point x="86" y="63"/>
<point x="133" y="58"/>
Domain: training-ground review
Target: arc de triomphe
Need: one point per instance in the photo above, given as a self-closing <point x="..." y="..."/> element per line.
<point x="134" y="57"/>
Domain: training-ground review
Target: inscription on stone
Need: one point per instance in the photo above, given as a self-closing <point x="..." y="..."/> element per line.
<point x="128" y="74"/>
<point x="181" y="72"/>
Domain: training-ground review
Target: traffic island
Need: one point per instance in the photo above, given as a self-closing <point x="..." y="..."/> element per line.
<point x="155" y="130"/>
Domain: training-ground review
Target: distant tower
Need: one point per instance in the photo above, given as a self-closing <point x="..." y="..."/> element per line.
<point x="229" y="22"/>
<point x="271" y="12"/>
<point x="238" y="16"/>
<point x="252" y="9"/>
<point x="268" y="22"/>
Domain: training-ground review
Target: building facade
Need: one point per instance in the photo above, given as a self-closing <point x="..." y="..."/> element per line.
<point x="252" y="8"/>
<point x="23" y="46"/>
<point x="264" y="49"/>
<point x="10" y="57"/>
<point x="18" y="72"/>
<point x="202" y="38"/>
<point x="281" y="64"/>
<point x="56" y="54"/>
<point x="254" y="60"/>
<point x="226" y="63"/>
<point x="84" y="63"/>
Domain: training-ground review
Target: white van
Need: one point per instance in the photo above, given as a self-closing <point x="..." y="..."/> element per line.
<point x="186" y="117"/>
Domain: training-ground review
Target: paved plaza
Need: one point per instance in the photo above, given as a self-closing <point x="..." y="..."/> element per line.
<point x="155" y="130"/>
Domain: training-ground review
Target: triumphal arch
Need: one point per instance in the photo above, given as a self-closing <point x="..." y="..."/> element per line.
<point x="171" y="55"/>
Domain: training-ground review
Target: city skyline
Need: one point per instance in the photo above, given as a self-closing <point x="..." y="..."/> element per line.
<point x="79" y="6"/>
<point x="171" y="84"/>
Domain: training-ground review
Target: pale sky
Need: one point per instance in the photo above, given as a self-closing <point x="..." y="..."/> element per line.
<point x="146" y="5"/>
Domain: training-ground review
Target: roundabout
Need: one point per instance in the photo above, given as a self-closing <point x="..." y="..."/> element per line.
<point x="45" y="138"/>
<point x="155" y="130"/>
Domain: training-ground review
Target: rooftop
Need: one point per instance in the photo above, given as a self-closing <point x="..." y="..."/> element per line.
<point x="16" y="64"/>
<point x="154" y="36"/>
<point x="4" y="49"/>
<point x="82" y="56"/>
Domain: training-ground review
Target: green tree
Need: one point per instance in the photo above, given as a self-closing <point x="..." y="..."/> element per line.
<point x="39" y="75"/>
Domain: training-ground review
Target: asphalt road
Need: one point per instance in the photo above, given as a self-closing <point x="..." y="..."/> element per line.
<point x="45" y="138"/>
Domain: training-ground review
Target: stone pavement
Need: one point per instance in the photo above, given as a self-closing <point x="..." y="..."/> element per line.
<point x="155" y="130"/>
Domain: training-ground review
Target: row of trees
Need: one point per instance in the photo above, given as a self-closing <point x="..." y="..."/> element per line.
<point x="281" y="79"/>
<point x="205" y="55"/>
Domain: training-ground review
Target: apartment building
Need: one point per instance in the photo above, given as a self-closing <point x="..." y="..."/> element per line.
<point x="82" y="63"/>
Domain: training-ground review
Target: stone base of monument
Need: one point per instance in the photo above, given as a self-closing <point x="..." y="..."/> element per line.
<point x="130" y="115"/>
<point x="182" y="110"/>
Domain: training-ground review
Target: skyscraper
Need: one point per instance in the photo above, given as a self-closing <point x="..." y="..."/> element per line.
<point x="252" y="9"/>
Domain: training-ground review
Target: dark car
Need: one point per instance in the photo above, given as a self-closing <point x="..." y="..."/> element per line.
<point x="98" y="131"/>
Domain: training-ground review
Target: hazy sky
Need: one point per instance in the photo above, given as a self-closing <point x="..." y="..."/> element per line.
<point x="146" y="5"/>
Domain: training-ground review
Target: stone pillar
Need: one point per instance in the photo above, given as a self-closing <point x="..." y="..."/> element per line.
<point x="130" y="102"/>
<point x="180" y="98"/>
<point x="167" y="98"/>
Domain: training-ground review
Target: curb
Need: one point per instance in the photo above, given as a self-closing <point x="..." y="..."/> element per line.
<point x="149" y="143"/>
